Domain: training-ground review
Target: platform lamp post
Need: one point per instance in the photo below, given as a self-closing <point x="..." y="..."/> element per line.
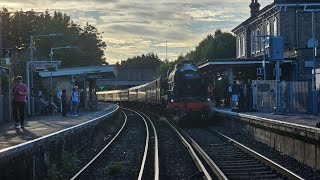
<point x="264" y="54"/>
<point x="51" y="56"/>
<point x="314" y="44"/>
<point x="28" y="71"/>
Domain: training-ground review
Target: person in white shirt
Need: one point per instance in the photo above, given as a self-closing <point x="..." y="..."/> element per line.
<point x="75" y="100"/>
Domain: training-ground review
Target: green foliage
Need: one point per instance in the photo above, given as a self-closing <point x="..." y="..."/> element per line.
<point x="115" y="168"/>
<point x="165" y="66"/>
<point x="19" y="26"/>
<point x="150" y="60"/>
<point x="69" y="161"/>
<point x="220" y="46"/>
<point x="53" y="173"/>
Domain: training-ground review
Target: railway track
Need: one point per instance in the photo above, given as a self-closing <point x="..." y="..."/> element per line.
<point x="213" y="155"/>
<point x="126" y="152"/>
<point x="233" y="160"/>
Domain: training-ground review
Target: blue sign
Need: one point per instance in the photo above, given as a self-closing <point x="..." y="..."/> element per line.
<point x="4" y="70"/>
<point x="7" y="52"/>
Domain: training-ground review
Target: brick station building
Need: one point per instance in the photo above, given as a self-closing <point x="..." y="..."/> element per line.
<point x="291" y="19"/>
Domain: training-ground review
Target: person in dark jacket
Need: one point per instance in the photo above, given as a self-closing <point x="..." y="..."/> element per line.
<point x="64" y="103"/>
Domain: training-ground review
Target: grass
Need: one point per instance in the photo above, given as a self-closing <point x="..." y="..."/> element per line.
<point x="115" y="168"/>
<point x="69" y="161"/>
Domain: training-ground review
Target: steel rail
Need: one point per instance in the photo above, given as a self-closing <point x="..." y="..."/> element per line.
<point x="106" y="147"/>
<point x="193" y="154"/>
<point x="214" y="167"/>
<point x="156" y="149"/>
<point x="267" y="161"/>
<point x="146" y="145"/>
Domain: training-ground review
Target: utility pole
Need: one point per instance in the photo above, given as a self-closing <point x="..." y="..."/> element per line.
<point x="51" y="56"/>
<point x="264" y="54"/>
<point x="277" y="55"/>
<point x="166" y="51"/>
<point x="29" y="73"/>
<point x="314" y="54"/>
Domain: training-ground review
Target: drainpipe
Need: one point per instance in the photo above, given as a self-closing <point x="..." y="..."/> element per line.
<point x="297" y="30"/>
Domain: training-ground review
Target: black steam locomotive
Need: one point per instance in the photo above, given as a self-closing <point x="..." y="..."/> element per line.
<point x="181" y="93"/>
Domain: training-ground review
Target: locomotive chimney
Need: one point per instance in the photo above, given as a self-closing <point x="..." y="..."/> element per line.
<point x="254" y="8"/>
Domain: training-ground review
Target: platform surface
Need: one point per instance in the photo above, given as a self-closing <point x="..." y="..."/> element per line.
<point x="39" y="126"/>
<point x="298" y="119"/>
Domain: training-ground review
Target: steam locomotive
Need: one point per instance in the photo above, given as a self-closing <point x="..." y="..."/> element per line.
<point x="182" y="93"/>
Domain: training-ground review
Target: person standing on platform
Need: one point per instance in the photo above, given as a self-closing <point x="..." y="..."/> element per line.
<point x="249" y="95"/>
<point x="75" y="98"/>
<point x="59" y="94"/>
<point x="210" y="92"/>
<point x="19" y="91"/>
<point x="64" y="103"/>
<point x="235" y="96"/>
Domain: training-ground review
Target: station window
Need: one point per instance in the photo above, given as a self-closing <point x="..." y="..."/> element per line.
<point x="258" y="42"/>
<point x="253" y="39"/>
<point x="275" y="26"/>
<point x="268" y="28"/>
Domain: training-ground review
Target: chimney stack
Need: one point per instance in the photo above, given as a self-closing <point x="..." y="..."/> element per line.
<point x="254" y="7"/>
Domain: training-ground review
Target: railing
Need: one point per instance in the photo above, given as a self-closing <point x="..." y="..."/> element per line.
<point x="295" y="96"/>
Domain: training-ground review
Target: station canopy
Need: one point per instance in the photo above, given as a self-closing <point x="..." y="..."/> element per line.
<point x="108" y="71"/>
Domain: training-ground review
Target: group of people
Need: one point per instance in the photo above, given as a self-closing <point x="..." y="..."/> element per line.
<point x="75" y="99"/>
<point x="240" y="95"/>
<point x="20" y="91"/>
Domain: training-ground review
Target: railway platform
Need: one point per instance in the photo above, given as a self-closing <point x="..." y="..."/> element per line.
<point x="307" y="120"/>
<point x="295" y="135"/>
<point x="39" y="126"/>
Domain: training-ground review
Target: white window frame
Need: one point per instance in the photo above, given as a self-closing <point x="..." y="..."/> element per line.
<point x="253" y="42"/>
<point x="258" y="42"/>
<point x="275" y="26"/>
<point x="268" y="28"/>
<point x="238" y="47"/>
<point x="243" y="46"/>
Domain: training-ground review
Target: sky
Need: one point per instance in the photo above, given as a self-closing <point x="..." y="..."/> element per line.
<point x="135" y="27"/>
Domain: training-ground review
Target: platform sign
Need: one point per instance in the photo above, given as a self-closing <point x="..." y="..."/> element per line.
<point x="276" y="51"/>
<point x="6" y="52"/>
<point x="94" y="76"/>
<point x="259" y="71"/>
<point x="4" y="70"/>
<point x="45" y="68"/>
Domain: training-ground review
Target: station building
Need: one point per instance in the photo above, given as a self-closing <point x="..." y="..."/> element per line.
<point x="295" y="20"/>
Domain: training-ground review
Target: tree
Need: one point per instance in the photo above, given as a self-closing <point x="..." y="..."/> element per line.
<point x="20" y="25"/>
<point x="220" y="46"/>
<point x="149" y="61"/>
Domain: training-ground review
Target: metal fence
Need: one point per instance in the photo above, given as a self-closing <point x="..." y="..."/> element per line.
<point x="296" y="97"/>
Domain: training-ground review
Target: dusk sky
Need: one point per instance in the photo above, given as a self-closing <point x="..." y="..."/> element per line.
<point x="137" y="27"/>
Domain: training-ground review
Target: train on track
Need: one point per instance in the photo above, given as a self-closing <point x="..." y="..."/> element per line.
<point x="181" y="93"/>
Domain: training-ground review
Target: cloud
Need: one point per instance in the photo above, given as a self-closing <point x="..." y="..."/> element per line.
<point x="138" y="27"/>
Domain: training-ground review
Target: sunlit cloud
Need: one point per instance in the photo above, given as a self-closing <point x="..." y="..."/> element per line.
<point x="132" y="28"/>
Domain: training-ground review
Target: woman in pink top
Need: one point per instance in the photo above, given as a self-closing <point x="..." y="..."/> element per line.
<point x="19" y="91"/>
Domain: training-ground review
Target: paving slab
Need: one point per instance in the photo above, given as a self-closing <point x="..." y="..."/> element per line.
<point x="39" y="126"/>
<point x="298" y="119"/>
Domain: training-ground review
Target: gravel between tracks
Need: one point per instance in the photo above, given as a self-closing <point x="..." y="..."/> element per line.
<point x="284" y="160"/>
<point x="122" y="159"/>
<point x="175" y="161"/>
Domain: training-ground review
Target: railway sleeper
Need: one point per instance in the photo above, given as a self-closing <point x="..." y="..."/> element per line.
<point x="241" y="166"/>
<point x="244" y="169"/>
<point x="254" y="177"/>
<point x="261" y="174"/>
<point x="231" y="161"/>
